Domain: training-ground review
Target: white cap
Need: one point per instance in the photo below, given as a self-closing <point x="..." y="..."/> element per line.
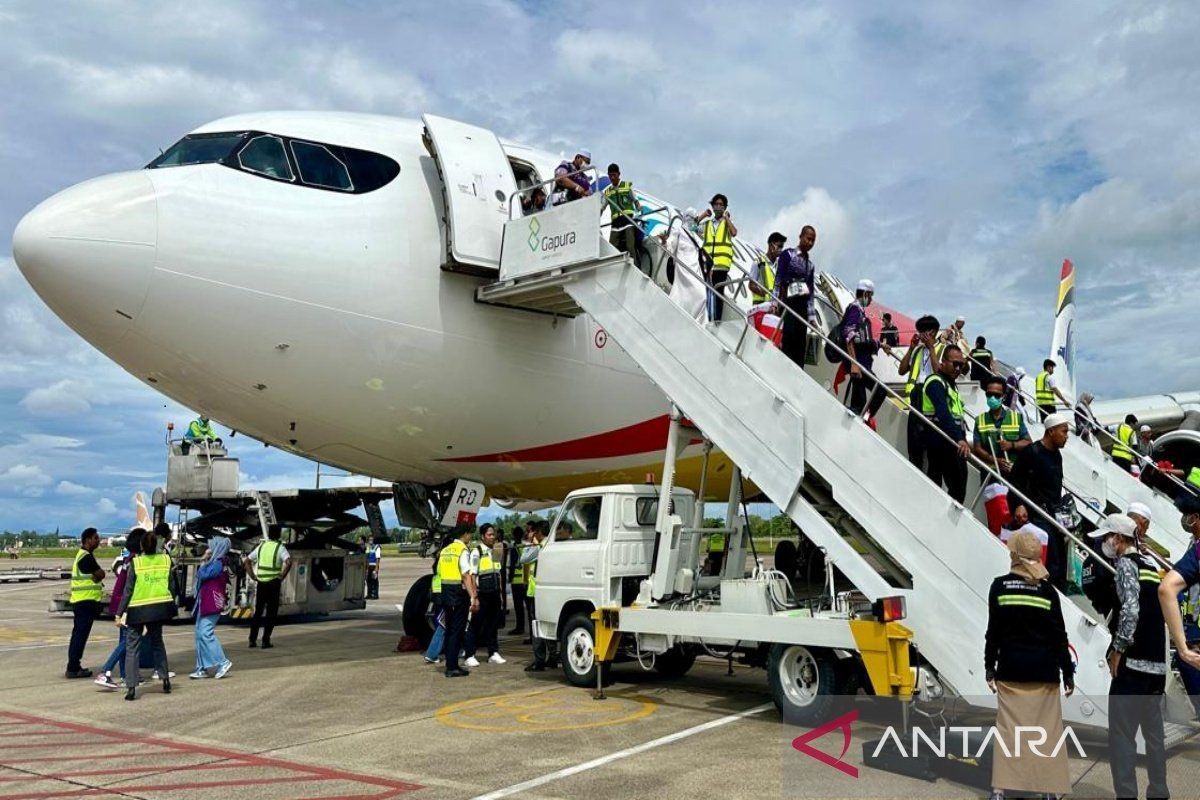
<point x="585" y="153"/>
<point x="960" y="319"/>
<point x="1020" y="372"/>
<point x="1115" y="523"/>
<point x="1054" y="420"/>
<point x="1144" y="429"/>
<point x="1141" y="509"/>
<point x="689" y="212"/>
<point x="866" y="285"/>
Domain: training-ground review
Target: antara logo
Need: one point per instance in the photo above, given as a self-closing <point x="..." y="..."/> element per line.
<point x="842" y="724"/>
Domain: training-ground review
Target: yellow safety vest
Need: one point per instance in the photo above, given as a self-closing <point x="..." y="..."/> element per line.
<point x="437" y="584"/>
<point x="718" y="244"/>
<point x="1193" y="477"/>
<point x="448" y="567"/>
<point x="768" y="280"/>
<point x="1009" y="427"/>
<point x="716" y="543"/>
<point x="953" y="398"/>
<point x="914" y="372"/>
<point x="518" y="578"/>
<point x="621" y="200"/>
<point x="1123" y="447"/>
<point x="152" y="585"/>
<point x="82" y="586"/>
<point x="531" y="585"/>
<point x="268" y="566"/>
<point x="1043" y="394"/>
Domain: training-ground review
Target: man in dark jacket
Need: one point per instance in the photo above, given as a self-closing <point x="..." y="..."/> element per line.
<point x="1038" y="474"/>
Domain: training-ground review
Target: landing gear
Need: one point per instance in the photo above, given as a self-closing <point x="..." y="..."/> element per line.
<point x="416" y="610"/>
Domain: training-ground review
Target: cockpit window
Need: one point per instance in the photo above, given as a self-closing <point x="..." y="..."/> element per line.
<point x="265" y="155"/>
<point x="319" y="167"/>
<point x="199" y="148"/>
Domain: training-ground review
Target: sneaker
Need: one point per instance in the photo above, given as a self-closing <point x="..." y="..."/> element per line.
<point x="429" y="660"/>
<point x="267" y="645"/>
<point x="104" y="681"/>
<point x="198" y="674"/>
<point x="83" y="672"/>
<point x="496" y="658"/>
<point x="223" y="670"/>
<point x="131" y="694"/>
<point x="167" y="686"/>
<point x="154" y="675"/>
<point x="457" y="673"/>
<point x="472" y="662"/>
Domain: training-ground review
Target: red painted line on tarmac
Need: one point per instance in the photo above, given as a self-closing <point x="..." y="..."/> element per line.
<point x="143" y="769"/>
<point x="159" y="787"/>
<point x="91" y="757"/>
<point x="36" y="733"/>
<point x="85" y="743"/>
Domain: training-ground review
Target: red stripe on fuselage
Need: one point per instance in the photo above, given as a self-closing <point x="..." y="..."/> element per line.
<point x="641" y="437"/>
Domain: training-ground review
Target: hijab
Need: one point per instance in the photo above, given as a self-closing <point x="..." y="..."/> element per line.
<point x="218" y="546"/>
<point x="1025" y="557"/>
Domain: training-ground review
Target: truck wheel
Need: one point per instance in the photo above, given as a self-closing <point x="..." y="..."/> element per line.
<point x="674" y="663"/>
<point x="416" y="604"/>
<point x="577" y="648"/>
<point x="802" y="682"/>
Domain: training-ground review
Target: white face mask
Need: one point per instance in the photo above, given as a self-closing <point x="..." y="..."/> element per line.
<point x="1109" y="549"/>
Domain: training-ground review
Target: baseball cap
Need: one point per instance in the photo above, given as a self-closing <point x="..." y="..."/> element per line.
<point x="585" y="153"/>
<point x="1054" y="420"/>
<point x="1141" y="509"/>
<point x="1115" y="523"/>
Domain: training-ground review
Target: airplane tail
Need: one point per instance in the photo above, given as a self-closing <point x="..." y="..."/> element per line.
<point x="142" y="513"/>
<point x="1062" y="347"/>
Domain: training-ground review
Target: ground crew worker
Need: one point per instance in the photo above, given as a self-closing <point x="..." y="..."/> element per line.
<point x="1045" y="392"/>
<point x="623" y="205"/>
<point x="866" y="396"/>
<point x="888" y="332"/>
<point x="146" y="603"/>
<point x="570" y="180"/>
<point x="717" y="232"/>
<point x="795" y="274"/>
<point x="86" y="593"/>
<point x="374" y="560"/>
<point x="1137" y="664"/>
<point x="485" y="621"/>
<point x="1000" y="432"/>
<point x="541" y="657"/>
<point x="268" y="565"/>
<point x="762" y="274"/>
<point x="981" y="361"/>
<point x="920" y="361"/>
<point x="1025" y="656"/>
<point x="201" y="430"/>
<point x="517" y="580"/>
<point x="1124" y="443"/>
<point x="459" y="595"/>
<point x="943" y="406"/>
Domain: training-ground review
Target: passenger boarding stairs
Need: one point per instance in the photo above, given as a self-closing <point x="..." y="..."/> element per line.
<point x="782" y="427"/>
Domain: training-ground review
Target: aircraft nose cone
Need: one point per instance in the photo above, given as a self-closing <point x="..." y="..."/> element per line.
<point x="89" y="251"/>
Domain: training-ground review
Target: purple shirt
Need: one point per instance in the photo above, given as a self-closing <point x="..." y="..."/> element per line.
<point x="211" y="597"/>
<point x="856" y="327"/>
<point x="795" y="267"/>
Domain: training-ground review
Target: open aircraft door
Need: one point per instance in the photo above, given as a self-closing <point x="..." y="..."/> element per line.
<point x="477" y="182"/>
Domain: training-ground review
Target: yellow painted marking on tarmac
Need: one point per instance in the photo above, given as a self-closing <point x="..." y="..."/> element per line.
<point x="23" y="636"/>
<point x="540" y="711"/>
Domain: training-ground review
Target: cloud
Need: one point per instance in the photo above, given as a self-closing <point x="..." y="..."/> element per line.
<point x="62" y="398"/>
<point x="71" y="489"/>
<point x="817" y="208"/>
<point x="106" y="507"/>
<point x="24" y="479"/>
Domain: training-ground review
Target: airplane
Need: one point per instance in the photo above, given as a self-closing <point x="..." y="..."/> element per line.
<point x="309" y="278"/>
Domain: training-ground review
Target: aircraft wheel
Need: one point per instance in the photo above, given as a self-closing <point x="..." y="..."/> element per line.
<point x="416" y="607"/>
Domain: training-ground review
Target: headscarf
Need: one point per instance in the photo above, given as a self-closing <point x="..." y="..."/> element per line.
<point x="1025" y="557"/>
<point x="218" y="546"/>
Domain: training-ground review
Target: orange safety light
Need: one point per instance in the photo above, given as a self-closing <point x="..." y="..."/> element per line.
<point x="890" y="609"/>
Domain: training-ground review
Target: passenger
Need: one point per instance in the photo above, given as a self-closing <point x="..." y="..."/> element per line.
<point x="147" y="601"/>
<point x="1000" y="433"/>
<point x="862" y="346"/>
<point x="684" y="271"/>
<point x="374" y="560"/>
<point x="533" y="202"/>
<point x="794" y="276"/>
<point x="120" y="569"/>
<point x="1124" y="443"/>
<point x="1085" y="421"/>
<point x="485" y="621"/>
<point x="201" y="430"/>
<point x="1179" y="598"/>
<point x="1097" y="578"/>
<point x="921" y="360"/>
<point x="541" y="655"/>
<point x="1046" y="394"/>
<point x="762" y="274"/>
<point x="1137" y="664"/>
<point x="889" y="334"/>
<point x="459" y="595"/>
<point x="943" y="407"/>
<point x="517" y="579"/>
<point x="1025" y="657"/>
<point x="717" y="231"/>
<point x="981" y="361"/>
<point x="268" y="566"/>
<point x="570" y="179"/>
<point x="1012" y="391"/>
<point x="623" y="205"/>
<point x="211" y="583"/>
<point x="1038" y="474"/>
<point x="1019" y="523"/>
<point x="434" y="652"/>
<point x="954" y="334"/>
<point x="1145" y="442"/>
<point x="87" y="590"/>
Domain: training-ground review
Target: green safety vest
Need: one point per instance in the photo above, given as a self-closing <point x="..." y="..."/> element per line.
<point x="436" y="586"/>
<point x="952" y="396"/>
<point x="1123" y="446"/>
<point x="1043" y="394"/>
<point x="82" y="586"/>
<point x="1009" y="427"/>
<point x="448" y="567"/>
<point x="153" y="580"/>
<point x="914" y="372"/>
<point x="621" y="200"/>
<point x="718" y="244"/>
<point x="518" y="578"/>
<point x="531" y="586"/>
<point x="981" y="354"/>
<point x="768" y="280"/>
<point x="716" y="543"/>
<point x="201" y="432"/>
<point x="268" y="567"/>
<point x="1193" y="477"/>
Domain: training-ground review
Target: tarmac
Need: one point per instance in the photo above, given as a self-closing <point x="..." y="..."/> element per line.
<point x="333" y="711"/>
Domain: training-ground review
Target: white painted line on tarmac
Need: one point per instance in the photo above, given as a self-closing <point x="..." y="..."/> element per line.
<point x="533" y="783"/>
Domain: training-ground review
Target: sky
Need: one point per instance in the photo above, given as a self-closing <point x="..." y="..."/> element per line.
<point x="955" y="155"/>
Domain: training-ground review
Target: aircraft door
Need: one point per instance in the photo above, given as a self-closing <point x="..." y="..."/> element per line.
<point x="477" y="182"/>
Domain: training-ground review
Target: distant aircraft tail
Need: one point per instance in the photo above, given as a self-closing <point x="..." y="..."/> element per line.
<point x="142" y="513"/>
<point x="1062" y="347"/>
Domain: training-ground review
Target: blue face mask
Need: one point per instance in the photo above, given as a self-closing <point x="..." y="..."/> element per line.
<point x="994" y="403"/>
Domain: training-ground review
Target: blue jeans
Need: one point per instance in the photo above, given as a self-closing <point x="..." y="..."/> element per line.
<point x="209" y="654"/>
<point x="117" y="657"/>
<point x="438" y="640"/>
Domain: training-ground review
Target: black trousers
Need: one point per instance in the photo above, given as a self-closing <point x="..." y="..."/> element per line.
<point x="794" y="342"/>
<point x="457" y="606"/>
<point x="945" y="467"/>
<point x="529" y="613"/>
<point x="716" y="299"/>
<point x="482" y="631"/>
<point x="915" y="431"/>
<point x="865" y="394"/>
<point x="541" y="648"/>
<point x="372" y="582"/>
<point x="1124" y="464"/>
<point x="85" y="613"/>
<point x="151" y="634"/>
<point x="1135" y="701"/>
<point x="518" y="595"/>
<point x="266" y="609"/>
<point x="1047" y="410"/>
